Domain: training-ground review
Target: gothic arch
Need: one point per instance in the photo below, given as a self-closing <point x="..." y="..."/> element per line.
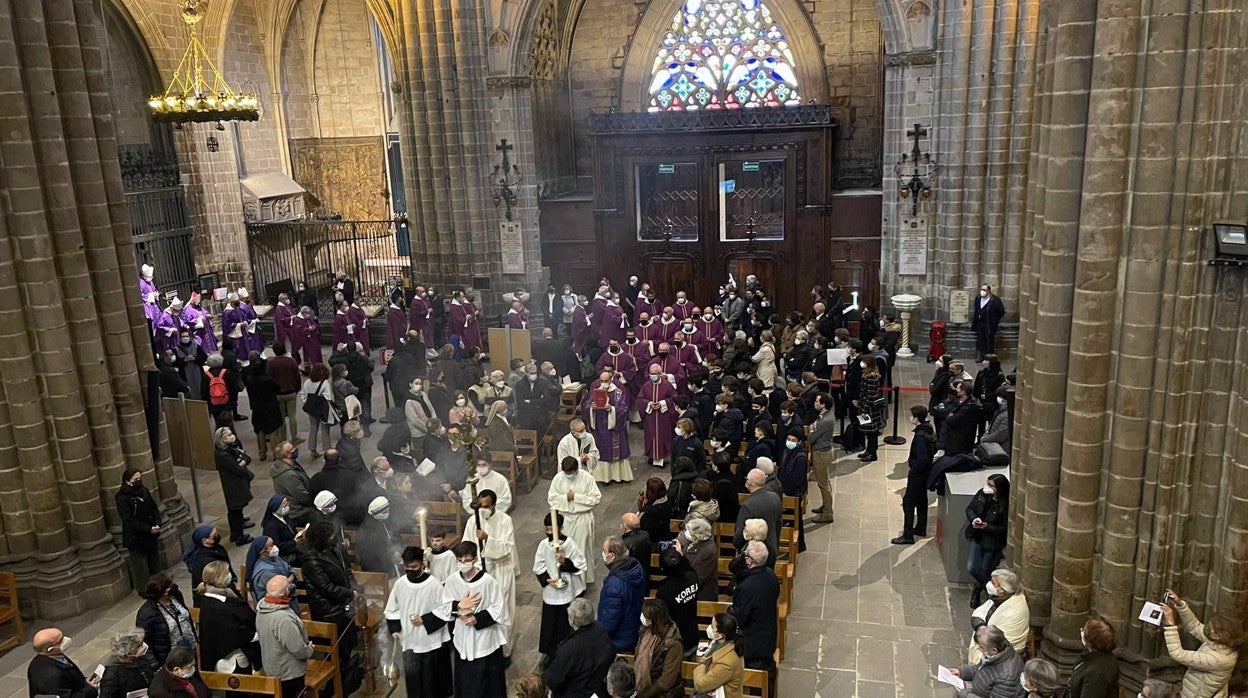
<point x="807" y="51"/>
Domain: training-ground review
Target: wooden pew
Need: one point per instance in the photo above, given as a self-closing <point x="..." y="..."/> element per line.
<point x="325" y="666"/>
<point x="504" y="462"/>
<point x="243" y="683"/>
<point x="9" y="611"/>
<point x="526" y="459"/>
<point x="754" y="683"/>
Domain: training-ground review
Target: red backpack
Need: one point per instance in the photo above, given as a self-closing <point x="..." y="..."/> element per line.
<point x="218" y="394"/>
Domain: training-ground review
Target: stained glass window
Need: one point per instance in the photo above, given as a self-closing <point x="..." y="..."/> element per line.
<point x="723" y="54"/>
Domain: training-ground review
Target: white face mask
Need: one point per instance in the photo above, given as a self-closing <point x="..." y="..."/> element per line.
<point x="382" y="516"/>
<point x="461" y="402"/>
<point x="991" y="588"/>
<point x="605" y="561"/>
<point x="1022" y="681"/>
<point x="66" y="641"/>
<point x="329" y="509"/>
<point x="989" y="490"/>
<point x="385" y="474"/>
<point x="983" y="294"/>
<point x="679" y="433"/>
<point x="790" y="445"/>
<point x="1001" y="401"/>
<point x="186" y="673"/>
<point x="710" y="633"/>
<point x="654" y="379"/>
<point x="645" y="621"/>
<point x="466" y="567"/>
<point x="482" y="471"/>
<point x="143" y="649"/>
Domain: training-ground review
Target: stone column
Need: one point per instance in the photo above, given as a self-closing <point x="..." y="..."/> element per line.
<point x="73" y="340"/>
<point x="1130" y="459"/>
<point x="446" y="152"/>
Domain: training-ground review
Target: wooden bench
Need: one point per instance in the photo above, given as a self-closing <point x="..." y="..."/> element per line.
<point x="504" y="462"/>
<point x="526" y="459"/>
<point x="243" y="683"/>
<point x="324" y="667"/>
<point x="10" y="612"/>
<point x="753" y="684"/>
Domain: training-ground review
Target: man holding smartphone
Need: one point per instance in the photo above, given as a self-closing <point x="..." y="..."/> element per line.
<point x="52" y="673"/>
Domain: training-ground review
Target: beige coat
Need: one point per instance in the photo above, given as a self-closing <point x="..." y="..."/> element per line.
<point x="1013" y="619"/>
<point x="765" y="357"/>
<point x="726" y="669"/>
<point x="1209" y="667"/>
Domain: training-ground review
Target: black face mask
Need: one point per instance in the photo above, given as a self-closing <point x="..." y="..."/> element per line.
<point x="663" y="354"/>
<point x="414" y="576"/>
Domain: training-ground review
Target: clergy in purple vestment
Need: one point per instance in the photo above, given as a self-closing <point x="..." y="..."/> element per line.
<point x="344" y="329"/>
<point x="167" y="326"/>
<point x="472" y="324"/>
<point x="640" y="352"/>
<point x="609" y="423"/>
<point x="149" y="293"/>
<point x="234" y="324"/>
<point x="419" y="315"/>
<point x="253" y="340"/>
<point x="282" y="316"/>
<point x="598" y="307"/>
<point x="360" y="320"/>
<point x="657" y="404"/>
<point x="396" y="323"/>
<point x="613" y="323"/>
<point x="201" y="325"/>
<point x="305" y="335"/>
<point x="682" y="308"/>
<point x="581" y="324"/>
<point x="518" y="316"/>
<point x="709" y="337"/>
<point x="669" y="363"/>
<point x="667" y="324"/>
<point x="620" y="361"/>
<point x="646" y="303"/>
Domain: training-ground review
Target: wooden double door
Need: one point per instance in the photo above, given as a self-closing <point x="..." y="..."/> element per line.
<point x="691" y="208"/>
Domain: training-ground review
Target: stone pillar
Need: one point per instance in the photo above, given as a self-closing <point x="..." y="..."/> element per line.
<point x="73" y="339"/>
<point x="447" y="154"/>
<point x="1131" y="458"/>
<point x="980" y="133"/>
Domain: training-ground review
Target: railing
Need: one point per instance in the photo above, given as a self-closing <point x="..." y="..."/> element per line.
<point x="284" y="254"/>
<point x="162" y="238"/>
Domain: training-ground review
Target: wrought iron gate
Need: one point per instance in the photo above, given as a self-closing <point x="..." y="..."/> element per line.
<point x="156" y="204"/>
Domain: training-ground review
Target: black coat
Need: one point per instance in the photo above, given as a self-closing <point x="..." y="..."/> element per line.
<point x="535" y="402"/>
<point x="680" y="592"/>
<point x="47" y="675"/>
<point x="579" y="667"/>
<point x="724" y="490"/>
<point x="172" y="384"/>
<point x="155" y="629"/>
<point x="225" y="626"/>
<point x="330" y="587"/>
<point x="639" y="547"/>
<point x="266" y="414"/>
<point x="922" y="448"/>
<point x="989" y="316"/>
<point x="995" y="514"/>
<point x="656" y="519"/>
<point x="166" y="686"/>
<point x="235" y="478"/>
<point x="121" y="678"/>
<point x="350" y="457"/>
<point x="754" y="605"/>
<point x="138" y="512"/>
<point x="1095" y="676"/>
<point x="957" y="431"/>
<point x="692" y="448"/>
<point x="343" y="482"/>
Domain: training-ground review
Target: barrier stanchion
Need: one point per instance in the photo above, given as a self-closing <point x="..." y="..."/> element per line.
<point x="895" y="440"/>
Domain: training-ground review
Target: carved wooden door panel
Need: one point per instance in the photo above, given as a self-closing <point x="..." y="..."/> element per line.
<point x="667" y="275"/>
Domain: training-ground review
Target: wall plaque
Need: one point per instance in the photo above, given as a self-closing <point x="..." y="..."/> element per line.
<point x="959" y="306"/>
<point x="512" y="246"/>
<point x="912" y="246"/>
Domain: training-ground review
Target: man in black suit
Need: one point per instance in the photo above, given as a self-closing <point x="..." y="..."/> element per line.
<point x="345" y="286"/>
<point x="762" y="504"/>
<point x="556" y="351"/>
<point x="986" y="314"/>
<point x="52" y="673"/>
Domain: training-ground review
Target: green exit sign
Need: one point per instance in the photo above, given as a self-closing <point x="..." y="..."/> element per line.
<point x="667" y="169"/>
<point x="749" y="167"/>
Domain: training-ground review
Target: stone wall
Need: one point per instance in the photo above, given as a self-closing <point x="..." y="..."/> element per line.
<point x="244" y="67"/>
<point x="346" y="82"/>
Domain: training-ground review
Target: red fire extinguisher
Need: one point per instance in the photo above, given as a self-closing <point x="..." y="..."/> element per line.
<point x="937" y="337"/>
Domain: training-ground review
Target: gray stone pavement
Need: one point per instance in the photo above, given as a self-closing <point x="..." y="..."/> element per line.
<point x="869" y="619"/>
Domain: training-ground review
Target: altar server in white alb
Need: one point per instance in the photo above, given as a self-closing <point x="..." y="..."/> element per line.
<point x="440" y="560"/>
<point x="488" y="479"/>
<point x="424" y="637"/>
<point x="574" y="494"/>
<point x="472" y="599"/>
<point x="496" y="538"/>
<point x="560" y="568"/>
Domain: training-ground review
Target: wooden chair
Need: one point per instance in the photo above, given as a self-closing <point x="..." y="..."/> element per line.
<point x="9" y="611"/>
<point x="504" y="462"/>
<point x="526" y="457"/>
<point x="324" y="667"/>
<point x="243" y="683"/>
<point x="301" y="595"/>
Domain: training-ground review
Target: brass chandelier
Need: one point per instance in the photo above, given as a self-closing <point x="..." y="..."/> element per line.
<point x="197" y="92"/>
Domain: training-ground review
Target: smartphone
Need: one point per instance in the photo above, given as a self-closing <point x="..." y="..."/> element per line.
<point x="664" y="545"/>
<point x="1167" y="598"/>
<point x="99" y="672"/>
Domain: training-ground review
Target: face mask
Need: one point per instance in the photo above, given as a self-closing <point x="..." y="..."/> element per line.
<point x="605" y="561"/>
<point x="714" y="444"/>
<point x="294" y="454"/>
<point x="687" y="327"/>
<point x="983" y="294"/>
<point x="142" y="650"/>
<point x="66" y="642"/>
<point x="571" y="475"/>
<point x="615" y="348"/>
<point x="989" y="490"/>
<point x="790" y="445"/>
<point x="186" y="340"/>
<point x="1001" y="401"/>
<point x="382" y="516"/>
<point x="282" y="511"/>
<point x="416" y="389"/>
<point x="720" y="408"/>
<point x="413" y="576"/>
<point x="1022" y="681"/>
<point x="991" y="588"/>
<point x="187" y="672"/>
<point x="710" y="633"/>
<point x="645" y="621"/>
<point x="532" y="377"/>
<point x="552" y="373"/>
<point x="708" y="318"/>
<point x="482" y="471"/>
<point x="466" y="567"/>
<point x="799" y="342"/>
<point x="269" y="552"/>
<point x="330" y="509"/>
<point x="499" y="384"/>
<point x="732" y="295"/>
<point x="486" y="512"/>
<point x="461" y="402"/>
<point x="654" y="379"/>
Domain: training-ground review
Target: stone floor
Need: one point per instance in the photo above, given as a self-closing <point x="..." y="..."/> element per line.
<point x="869" y="619"/>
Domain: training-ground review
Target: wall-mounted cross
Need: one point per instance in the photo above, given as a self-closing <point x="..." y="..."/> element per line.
<point x="916" y="133"/>
<point x="504" y="147"/>
<point x="505" y="178"/>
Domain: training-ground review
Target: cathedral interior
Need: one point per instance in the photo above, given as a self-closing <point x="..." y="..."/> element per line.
<point x="1073" y="155"/>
